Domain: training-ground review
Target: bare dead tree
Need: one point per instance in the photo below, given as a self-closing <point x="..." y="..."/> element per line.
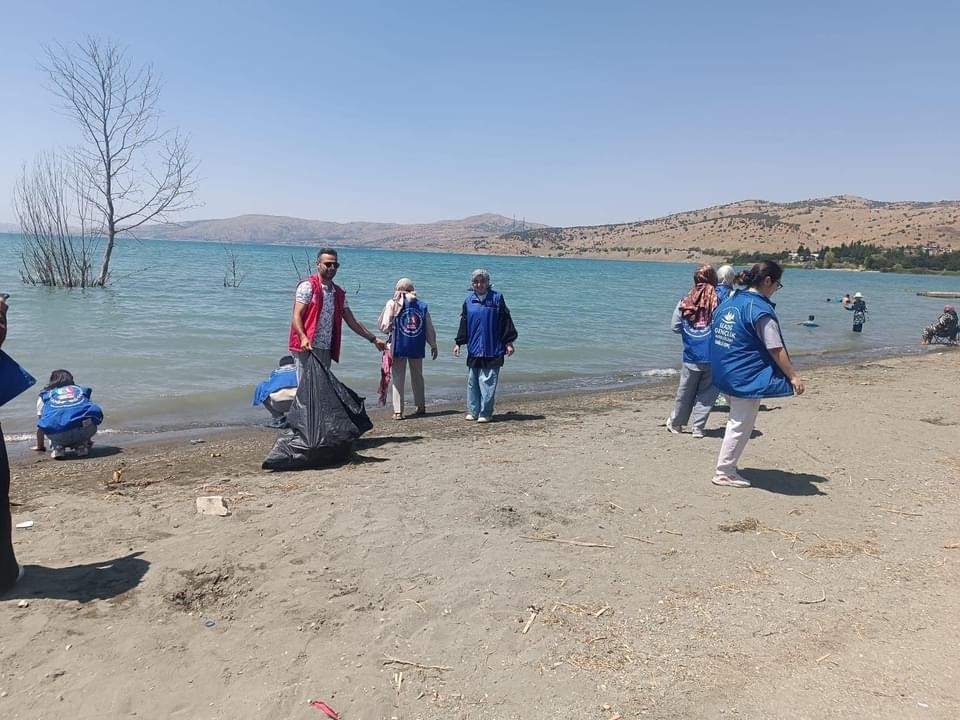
<point x="232" y="277"/>
<point x="61" y="229"/>
<point x="130" y="171"/>
<point x="296" y="268"/>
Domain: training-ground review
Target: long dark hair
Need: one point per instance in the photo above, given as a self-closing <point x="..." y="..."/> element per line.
<point x="753" y="278"/>
<point x="59" y="378"/>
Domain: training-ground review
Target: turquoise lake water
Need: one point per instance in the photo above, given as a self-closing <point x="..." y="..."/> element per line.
<point x="166" y="346"/>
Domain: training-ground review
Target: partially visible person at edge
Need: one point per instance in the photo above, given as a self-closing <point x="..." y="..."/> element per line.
<point x="725" y="277"/>
<point x="66" y="416"/>
<point x="945" y="327"/>
<point x="750" y="362"/>
<point x="276" y="393"/>
<point x="487" y="329"/>
<point x="319" y="309"/>
<point x="406" y="320"/>
<point x="10" y="571"/>
<point x="859" y="309"/>
<point x="691" y="319"/>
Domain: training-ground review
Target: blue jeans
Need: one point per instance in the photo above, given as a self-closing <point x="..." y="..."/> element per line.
<point x="77" y="437"/>
<point x="481" y="390"/>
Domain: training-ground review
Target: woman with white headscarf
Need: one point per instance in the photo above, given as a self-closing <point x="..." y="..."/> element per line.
<point x="406" y="320"/>
<point x="487" y="329"/>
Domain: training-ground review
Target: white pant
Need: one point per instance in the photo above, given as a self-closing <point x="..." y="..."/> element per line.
<point x="398" y="372"/>
<point x="740" y="422"/>
<point x="278" y="403"/>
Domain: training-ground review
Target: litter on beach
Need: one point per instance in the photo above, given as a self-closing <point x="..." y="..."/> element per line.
<point x="325" y="709"/>
<point x="25" y="524"/>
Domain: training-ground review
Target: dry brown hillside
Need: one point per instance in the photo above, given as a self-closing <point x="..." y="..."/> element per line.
<point x="746" y="226"/>
<point x="441" y="235"/>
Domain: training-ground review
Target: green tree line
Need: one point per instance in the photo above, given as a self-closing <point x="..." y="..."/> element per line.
<point x="864" y="255"/>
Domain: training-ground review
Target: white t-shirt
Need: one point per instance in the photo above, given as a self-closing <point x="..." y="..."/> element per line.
<point x="769" y="330"/>
<point x="323" y="334"/>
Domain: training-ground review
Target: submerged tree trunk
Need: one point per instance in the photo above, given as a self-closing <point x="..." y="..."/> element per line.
<point x="129" y="172"/>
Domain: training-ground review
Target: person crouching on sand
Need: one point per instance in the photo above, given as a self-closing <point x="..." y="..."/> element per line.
<point x="692" y="319"/>
<point x="277" y="392"/>
<point x="66" y="416"/>
<point x="749" y="362"/>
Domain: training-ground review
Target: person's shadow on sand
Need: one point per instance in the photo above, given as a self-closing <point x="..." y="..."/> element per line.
<point x="783" y="482"/>
<point x="514" y="416"/>
<point x="98" y="451"/>
<point x="83" y="583"/>
<point x="367" y="443"/>
<point x="718" y="433"/>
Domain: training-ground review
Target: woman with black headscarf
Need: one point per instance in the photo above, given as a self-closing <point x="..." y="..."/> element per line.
<point x="691" y="320"/>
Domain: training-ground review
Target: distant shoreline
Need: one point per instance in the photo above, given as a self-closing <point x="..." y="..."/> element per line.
<point x="669" y="256"/>
<point x="19" y="449"/>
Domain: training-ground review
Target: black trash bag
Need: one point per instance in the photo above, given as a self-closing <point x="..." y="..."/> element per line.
<point x="323" y="421"/>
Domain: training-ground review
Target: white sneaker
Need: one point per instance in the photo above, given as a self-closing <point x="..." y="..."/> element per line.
<point x="82" y="450"/>
<point x="671" y="427"/>
<point x="58" y="453"/>
<point x="697" y="433"/>
<point x="483" y="419"/>
<point x="731" y="481"/>
<point x="468" y="416"/>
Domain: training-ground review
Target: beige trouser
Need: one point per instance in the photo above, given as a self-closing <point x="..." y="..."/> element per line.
<point x="398" y="375"/>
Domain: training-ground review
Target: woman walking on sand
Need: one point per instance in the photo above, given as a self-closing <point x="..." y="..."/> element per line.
<point x="749" y="362"/>
<point x="692" y="320"/>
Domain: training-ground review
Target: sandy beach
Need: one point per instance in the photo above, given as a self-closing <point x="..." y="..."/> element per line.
<point x="570" y="560"/>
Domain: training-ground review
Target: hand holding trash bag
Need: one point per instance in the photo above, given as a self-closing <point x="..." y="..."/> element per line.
<point x="324" y="419"/>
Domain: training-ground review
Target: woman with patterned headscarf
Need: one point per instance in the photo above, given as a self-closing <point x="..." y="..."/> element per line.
<point x="691" y="320"/>
<point x="407" y="321"/>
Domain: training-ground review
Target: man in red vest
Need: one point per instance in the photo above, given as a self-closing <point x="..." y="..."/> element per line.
<point x="319" y="309"/>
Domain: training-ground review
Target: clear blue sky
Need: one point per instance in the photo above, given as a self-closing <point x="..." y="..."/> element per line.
<point x="562" y="112"/>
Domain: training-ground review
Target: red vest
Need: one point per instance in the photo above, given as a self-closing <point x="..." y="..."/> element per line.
<point x="313" y="315"/>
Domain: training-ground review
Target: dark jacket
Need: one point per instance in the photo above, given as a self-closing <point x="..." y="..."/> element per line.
<point x="506" y="332"/>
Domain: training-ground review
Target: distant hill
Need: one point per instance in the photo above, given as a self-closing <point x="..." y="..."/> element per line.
<point x="746" y="226"/>
<point x="442" y="235"/>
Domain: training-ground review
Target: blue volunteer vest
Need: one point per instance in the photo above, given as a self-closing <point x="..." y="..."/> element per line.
<point x="696" y="341"/>
<point x="723" y="292"/>
<point x="65" y="408"/>
<point x="483" y="325"/>
<point x="282" y="377"/>
<point x="410" y="330"/>
<point x="741" y="364"/>
<point x="13" y="378"/>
